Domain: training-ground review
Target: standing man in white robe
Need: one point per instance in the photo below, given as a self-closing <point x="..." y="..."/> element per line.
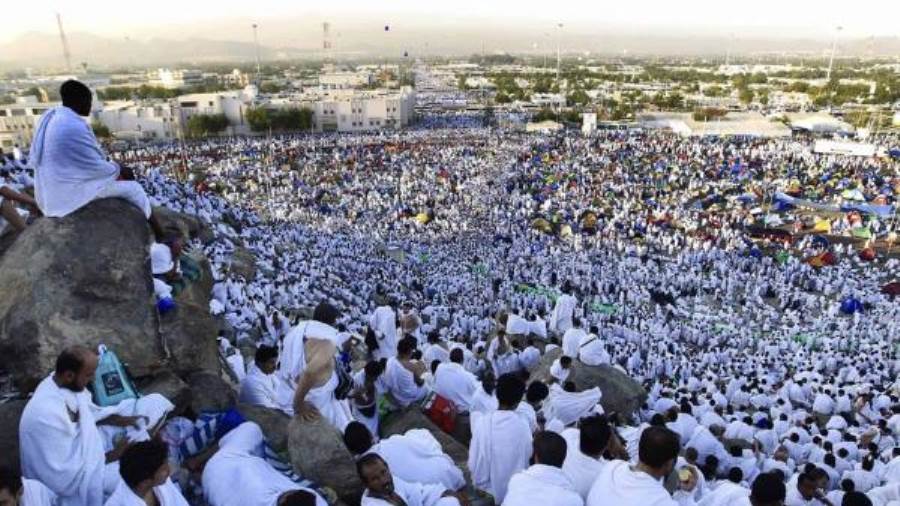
<point x="623" y="484"/>
<point x="144" y="468"/>
<point x="584" y="455"/>
<point x="308" y="375"/>
<point x="60" y="442"/>
<point x="383" y="489"/>
<point x="544" y="482"/>
<point x="70" y="169"/>
<point x="501" y="440"/>
<point x="563" y="311"/>
<point x="384" y="322"/>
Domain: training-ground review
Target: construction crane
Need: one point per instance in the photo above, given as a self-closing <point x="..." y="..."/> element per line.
<point x="65" y="43"/>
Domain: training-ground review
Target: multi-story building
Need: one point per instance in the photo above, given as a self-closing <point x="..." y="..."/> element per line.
<point x="133" y="120"/>
<point x="17" y="121"/>
<point x="172" y="79"/>
<point x="359" y="111"/>
<point x="232" y="104"/>
<point x="344" y="80"/>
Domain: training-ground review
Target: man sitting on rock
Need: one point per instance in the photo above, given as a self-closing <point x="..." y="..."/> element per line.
<point x="61" y="439"/>
<point x="415" y="456"/>
<point x="258" y="388"/>
<point x="403" y="375"/>
<point x="383" y="489"/>
<point x="236" y="474"/>
<point x="70" y="169"/>
<point x="17" y="491"/>
<point x="144" y="468"/>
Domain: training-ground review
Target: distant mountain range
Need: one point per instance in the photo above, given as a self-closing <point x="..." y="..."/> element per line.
<point x="43" y="50"/>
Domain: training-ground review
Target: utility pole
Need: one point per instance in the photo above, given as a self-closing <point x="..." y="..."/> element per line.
<point x="558" y="59"/>
<point x="65" y="43"/>
<point x="833" y="49"/>
<point x="256" y="44"/>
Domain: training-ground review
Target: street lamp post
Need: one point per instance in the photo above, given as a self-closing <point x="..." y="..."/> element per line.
<point x="833" y="49"/>
<point x="256" y="46"/>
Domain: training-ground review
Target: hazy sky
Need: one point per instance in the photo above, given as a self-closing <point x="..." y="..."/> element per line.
<point x="143" y="19"/>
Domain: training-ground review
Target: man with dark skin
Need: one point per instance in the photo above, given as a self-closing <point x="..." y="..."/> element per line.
<point x="382" y="489"/>
<point x="70" y="168"/>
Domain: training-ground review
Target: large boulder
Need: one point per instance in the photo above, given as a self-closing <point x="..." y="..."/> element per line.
<point x="186" y="225"/>
<point x="243" y="263"/>
<point x="189" y="333"/>
<point x="170" y="386"/>
<point x="398" y="422"/>
<point x="210" y="393"/>
<point x="82" y="279"/>
<point x="621" y="394"/>
<point x="274" y="424"/>
<point x="10" y="413"/>
<point x="318" y="453"/>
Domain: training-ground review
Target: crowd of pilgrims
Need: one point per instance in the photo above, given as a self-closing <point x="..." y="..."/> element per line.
<point x="459" y="260"/>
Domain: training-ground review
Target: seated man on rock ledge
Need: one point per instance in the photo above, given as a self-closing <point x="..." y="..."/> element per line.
<point x="70" y="169"/>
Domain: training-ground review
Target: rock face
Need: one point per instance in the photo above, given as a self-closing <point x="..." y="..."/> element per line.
<point x="170" y="386"/>
<point x="187" y="225"/>
<point x="399" y="422"/>
<point x="189" y="334"/>
<point x="243" y="263"/>
<point x="317" y="452"/>
<point x="82" y="279"/>
<point x="10" y="413"/>
<point x="209" y="392"/>
<point x="621" y="394"/>
<point x="273" y="423"/>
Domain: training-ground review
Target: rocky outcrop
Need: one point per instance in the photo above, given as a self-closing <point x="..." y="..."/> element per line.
<point x="243" y="263"/>
<point x="210" y="393"/>
<point x="189" y="334"/>
<point x="81" y="279"/>
<point x="273" y="423"/>
<point x="10" y="413"/>
<point x="188" y="226"/>
<point x="170" y="386"/>
<point x="621" y="394"/>
<point x="318" y="453"/>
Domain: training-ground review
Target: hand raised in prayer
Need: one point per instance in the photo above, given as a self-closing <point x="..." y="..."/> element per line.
<point x="306" y="411"/>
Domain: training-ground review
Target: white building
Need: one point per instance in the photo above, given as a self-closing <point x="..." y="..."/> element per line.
<point x="344" y="80"/>
<point x="548" y="100"/>
<point x="172" y="79"/>
<point x="790" y="101"/>
<point x="360" y="111"/>
<point x="131" y="120"/>
<point x="232" y="104"/>
<point x="17" y="121"/>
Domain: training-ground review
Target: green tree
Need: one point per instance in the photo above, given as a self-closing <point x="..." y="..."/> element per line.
<point x="461" y="82"/>
<point x="578" y="97"/>
<point x="101" y="131"/>
<point x="714" y="91"/>
<point x="709" y="114"/>
<point x="258" y="119"/>
<point x="34" y="91"/>
<point x="746" y="95"/>
<point x="502" y="98"/>
<point x="201" y="125"/>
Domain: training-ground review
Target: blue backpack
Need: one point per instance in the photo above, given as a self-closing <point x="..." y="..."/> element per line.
<point x="112" y="384"/>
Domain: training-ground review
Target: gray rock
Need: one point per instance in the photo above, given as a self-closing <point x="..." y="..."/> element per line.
<point x="621" y="394"/>
<point x="170" y="386"/>
<point x="243" y="263"/>
<point x="317" y="452"/>
<point x="209" y="392"/>
<point x="83" y="279"/>
<point x="188" y="226"/>
<point x="273" y="423"/>
<point x="189" y="333"/>
<point x="401" y="421"/>
<point x="10" y="413"/>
